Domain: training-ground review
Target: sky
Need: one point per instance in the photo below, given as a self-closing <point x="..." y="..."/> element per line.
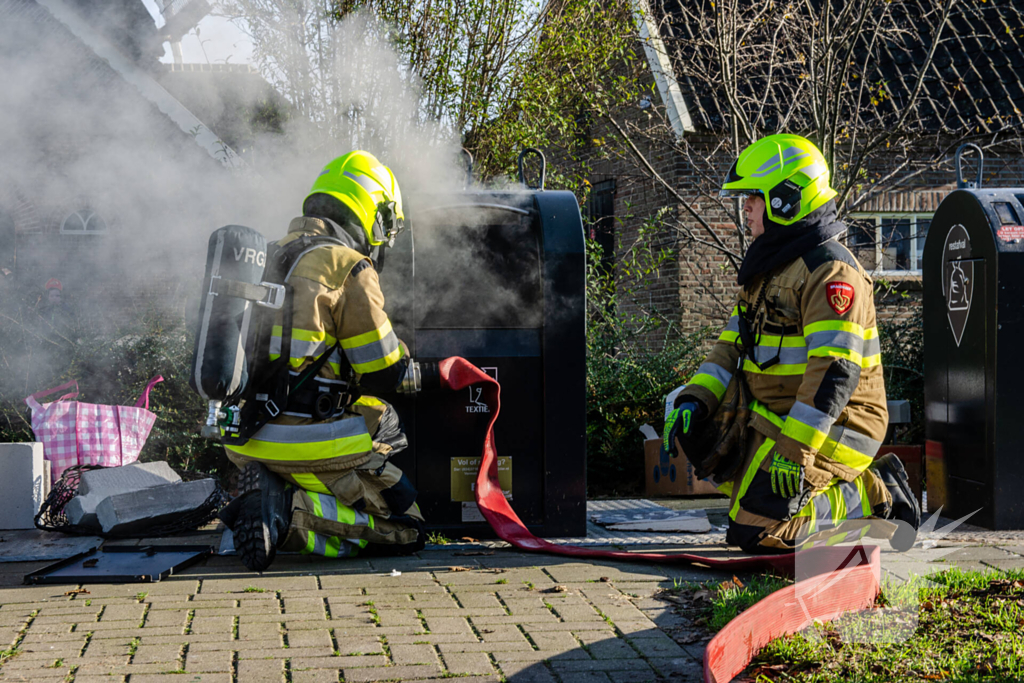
<point x="214" y="40"/>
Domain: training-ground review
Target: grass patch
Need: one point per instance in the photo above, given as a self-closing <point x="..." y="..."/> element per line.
<point x="6" y="655"/>
<point x="712" y="604"/>
<point x="254" y="589"/>
<point x="953" y="626"/>
<point x="502" y="581"/>
<point x="141" y="596"/>
<point x="435" y="538"/>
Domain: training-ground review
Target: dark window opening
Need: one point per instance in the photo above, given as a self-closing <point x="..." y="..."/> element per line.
<point x="599" y="214"/>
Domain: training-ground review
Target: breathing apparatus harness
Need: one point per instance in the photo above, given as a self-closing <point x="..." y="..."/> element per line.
<point x="748" y="321"/>
<point x="278" y="389"/>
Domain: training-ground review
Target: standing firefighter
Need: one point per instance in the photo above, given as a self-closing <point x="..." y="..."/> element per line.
<point x="788" y="410"/>
<point x="317" y="478"/>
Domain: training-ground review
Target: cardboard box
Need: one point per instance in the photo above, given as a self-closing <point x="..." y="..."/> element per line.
<point x="674" y="478"/>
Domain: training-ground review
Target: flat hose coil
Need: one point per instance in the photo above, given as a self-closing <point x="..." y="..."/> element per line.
<point x="51" y="515"/>
<point x="833" y="579"/>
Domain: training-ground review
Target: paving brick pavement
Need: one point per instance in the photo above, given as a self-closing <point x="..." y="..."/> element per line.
<point x="476" y="615"/>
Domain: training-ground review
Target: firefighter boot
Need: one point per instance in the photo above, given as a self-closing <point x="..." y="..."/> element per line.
<point x="905" y="510"/>
<point x="263" y="516"/>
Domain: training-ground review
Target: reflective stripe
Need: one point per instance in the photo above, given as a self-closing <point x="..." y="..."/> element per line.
<point x="845" y="445"/>
<point x="805" y="434"/>
<point x="852" y="356"/>
<point x="759" y="408"/>
<point x="774" y="341"/>
<point x="748" y="476"/>
<point x="368" y="401"/>
<point x="836" y="339"/>
<point x="361" y="518"/>
<point x="840" y="326"/>
<point x="810" y="416"/>
<point x="321" y="431"/>
<point x="786" y="355"/>
<point x="310" y="543"/>
<point x="734" y="321"/>
<point x="852" y="499"/>
<point x="325" y="506"/>
<point x="837" y="503"/>
<point x="850" y="447"/>
<point x="780" y="369"/>
<point x="310" y="482"/>
<point x="332" y="547"/>
<point x="300" y="349"/>
<point x="320" y="441"/>
<point x="373" y="351"/>
<point x="822" y="511"/>
<point x="306" y="344"/>
<point x="865" y="502"/>
<point x="712" y="377"/>
<point x="367" y="183"/>
<point x="729" y="336"/>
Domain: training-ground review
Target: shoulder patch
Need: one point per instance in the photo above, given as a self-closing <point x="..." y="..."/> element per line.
<point x="839" y="296"/>
<point x="830" y="251"/>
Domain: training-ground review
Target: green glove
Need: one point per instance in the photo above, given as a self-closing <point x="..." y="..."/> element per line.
<point x="682" y="418"/>
<point x="787" y="477"/>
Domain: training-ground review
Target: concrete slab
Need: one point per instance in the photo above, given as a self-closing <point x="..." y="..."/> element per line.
<point x="24" y="484"/>
<point x="141" y="510"/>
<point x="99" y="484"/>
<point x="31" y="545"/>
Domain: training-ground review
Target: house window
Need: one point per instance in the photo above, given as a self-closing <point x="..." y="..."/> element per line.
<point x="599" y="213"/>
<point x="83" y="222"/>
<point x="888" y="243"/>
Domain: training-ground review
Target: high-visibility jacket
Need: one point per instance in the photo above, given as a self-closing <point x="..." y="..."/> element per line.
<point x="818" y="319"/>
<point x="337" y="298"/>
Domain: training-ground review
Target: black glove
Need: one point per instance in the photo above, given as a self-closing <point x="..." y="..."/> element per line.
<point x="683" y="420"/>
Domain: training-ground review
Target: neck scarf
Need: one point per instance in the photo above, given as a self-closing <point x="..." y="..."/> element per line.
<point x="783" y="243"/>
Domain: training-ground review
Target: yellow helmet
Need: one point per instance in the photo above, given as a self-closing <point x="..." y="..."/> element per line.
<point x="787" y="170"/>
<point x="369" y="189"/>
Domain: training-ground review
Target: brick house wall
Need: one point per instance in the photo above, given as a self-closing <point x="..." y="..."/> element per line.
<point x="697" y="290"/>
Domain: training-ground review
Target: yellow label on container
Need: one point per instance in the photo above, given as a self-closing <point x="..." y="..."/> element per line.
<point x="464" y="471"/>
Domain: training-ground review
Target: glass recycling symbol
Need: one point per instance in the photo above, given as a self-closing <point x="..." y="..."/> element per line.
<point x="957" y="279"/>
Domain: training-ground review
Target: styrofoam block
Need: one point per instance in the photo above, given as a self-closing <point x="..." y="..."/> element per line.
<point x="23" y="484"/>
<point x="144" y="509"/>
<point x="99" y="484"/>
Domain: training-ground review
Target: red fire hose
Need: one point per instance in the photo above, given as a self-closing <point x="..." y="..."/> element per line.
<point x="826" y="595"/>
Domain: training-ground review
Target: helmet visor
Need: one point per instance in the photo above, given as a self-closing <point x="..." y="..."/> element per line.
<point x="742" y="194"/>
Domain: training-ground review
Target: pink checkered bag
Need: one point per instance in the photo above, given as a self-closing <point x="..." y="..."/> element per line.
<point x="76" y="433"/>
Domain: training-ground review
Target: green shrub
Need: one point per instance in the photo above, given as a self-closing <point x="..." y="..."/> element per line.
<point x="634" y="358"/>
<point x="111" y="367"/>
<point x="902" y="344"/>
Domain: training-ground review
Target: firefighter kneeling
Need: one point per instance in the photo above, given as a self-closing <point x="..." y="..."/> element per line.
<point x="788" y="410"/>
<point x="317" y="476"/>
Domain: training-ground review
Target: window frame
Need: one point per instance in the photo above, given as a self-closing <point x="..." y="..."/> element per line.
<point x="90" y="214"/>
<point x="913" y="217"/>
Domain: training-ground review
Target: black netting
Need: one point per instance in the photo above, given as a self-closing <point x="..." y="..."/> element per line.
<point x="51" y="515"/>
